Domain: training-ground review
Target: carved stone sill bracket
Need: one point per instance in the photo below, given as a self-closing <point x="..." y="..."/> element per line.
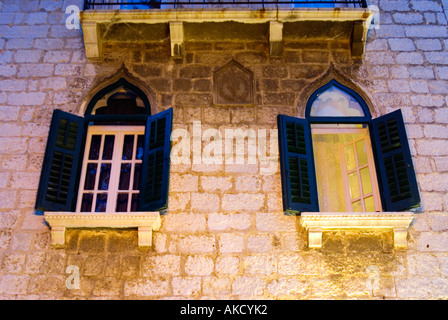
<point x="145" y="222"/>
<point x="317" y="222"/>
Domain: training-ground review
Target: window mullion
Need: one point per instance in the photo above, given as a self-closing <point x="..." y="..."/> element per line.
<point x="115" y="173"/>
<point x="131" y="179"/>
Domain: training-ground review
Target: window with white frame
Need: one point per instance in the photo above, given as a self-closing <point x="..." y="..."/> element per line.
<point x="339" y="159"/>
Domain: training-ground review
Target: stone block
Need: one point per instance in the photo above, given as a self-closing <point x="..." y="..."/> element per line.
<point x="199" y="265"/>
<point x="426" y="31"/>
<point x="184" y="223"/>
<point x="230" y="243"/>
<point x="193" y="244"/>
<point x="143" y="287"/>
<point x="287" y="287"/>
<point x="10" y="145"/>
<point x="227" y="265"/>
<point x="186" y="286"/>
<point x="247" y="184"/>
<point x="423" y="5"/>
<point x="211" y="183"/>
<point x="183" y="182"/>
<point x="432" y="147"/>
<point x="227" y="222"/>
<point x="393" y="5"/>
<point x="401" y="44"/>
<point x="428" y="44"/>
<point x="215" y="286"/>
<point x="259" y="264"/>
<point x="35" y="70"/>
<point x="272" y="222"/>
<point x="205" y="202"/>
<point x="242" y="202"/>
<point x="12" y="284"/>
<point x="408" y="18"/>
<point x="248" y="286"/>
<point x="57" y="56"/>
<point x="409" y="58"/>
<point x="421" y="72"/>
<point x="161" y="265"/>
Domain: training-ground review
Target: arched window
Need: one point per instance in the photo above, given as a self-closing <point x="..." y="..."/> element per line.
<point x="114" y="159"/>
<point x="339" y="159"/>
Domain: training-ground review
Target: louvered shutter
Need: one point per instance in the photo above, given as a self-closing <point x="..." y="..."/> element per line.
<point x="58" y="185"/>
<point x="297" y="165"/>
<point x="156" y="162"/>
<point x="397" y="178"/>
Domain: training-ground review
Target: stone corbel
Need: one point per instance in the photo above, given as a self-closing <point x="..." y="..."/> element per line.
<point x="317" y="222"/>
<point x="92" y="41"/>
<point x="275" y="38"/>
<point x="145" y="222"/>
<point x="359" y="38"/>
<point x="177" y="38"/>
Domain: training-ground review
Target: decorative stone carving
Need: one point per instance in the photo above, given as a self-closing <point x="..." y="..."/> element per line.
<point x="145" y="222"/>
<point x="233" y="84"/>
<point x="316" y="222"/>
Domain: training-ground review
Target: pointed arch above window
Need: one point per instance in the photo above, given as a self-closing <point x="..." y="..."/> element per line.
<point x="120" y="100"/>
<point x="335" y="102"/>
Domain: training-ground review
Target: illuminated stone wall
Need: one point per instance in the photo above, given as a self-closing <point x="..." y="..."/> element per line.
<point x="225" y="234"/>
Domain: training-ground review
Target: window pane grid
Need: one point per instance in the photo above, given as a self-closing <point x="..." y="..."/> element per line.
<point x="359" y="176"/>
<point x="110" y="181"/>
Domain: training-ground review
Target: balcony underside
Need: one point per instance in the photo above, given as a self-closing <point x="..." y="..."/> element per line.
<point x="180" y="26"/>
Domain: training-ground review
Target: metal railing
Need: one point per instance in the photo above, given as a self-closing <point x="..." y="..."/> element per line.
<point x="255" y="4"/>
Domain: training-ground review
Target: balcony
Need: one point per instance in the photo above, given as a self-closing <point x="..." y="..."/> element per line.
<point x="180" y="21"/>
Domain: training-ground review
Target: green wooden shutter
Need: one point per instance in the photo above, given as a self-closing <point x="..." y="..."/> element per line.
<point x="58" y="180"/>
<point x="397" y="180"/>
<point x="156" y="162"/>
<point x="297" y="165"/>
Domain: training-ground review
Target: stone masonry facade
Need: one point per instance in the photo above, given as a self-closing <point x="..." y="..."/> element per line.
<point x="224" y="235"/>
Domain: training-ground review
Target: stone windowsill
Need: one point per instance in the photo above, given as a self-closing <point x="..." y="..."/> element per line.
<point x="145" y="222"/>
<point x="317" y="222"/>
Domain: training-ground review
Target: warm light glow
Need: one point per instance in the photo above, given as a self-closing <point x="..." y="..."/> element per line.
<point x="344" y="169"/>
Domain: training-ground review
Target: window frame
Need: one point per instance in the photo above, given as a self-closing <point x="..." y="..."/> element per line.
<point x="72" y="171"/>
<point x="408" y="199"/>
<point x="116" y="162"/>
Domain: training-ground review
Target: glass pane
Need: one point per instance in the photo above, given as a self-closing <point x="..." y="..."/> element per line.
<point x="108" y="147"/>
<point x="350" y="157"/>
<point x="104" y="176"/>
<point x="369" y="204"/>
<point x="354" y="185"/>
<point x="86" y="203"/>
<point x="101" y="202"/>
<point x="357" y="206"/>
<point x="128" y="147"/>
<point x="365" y="180"/>
<point x="361" y="153"/>
<point x="139" y="150"/>
<point x="134" y="204"/>
<point x="335" y="102"/>
<point x="89" y="183"/>
<point x="137" y="174"/>
<point x="95" y="145"/>
<point x="125" y="176"/>
<point x="122" y="202"/>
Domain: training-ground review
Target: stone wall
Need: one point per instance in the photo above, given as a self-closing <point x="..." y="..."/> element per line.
<point x="224" y="234"/>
